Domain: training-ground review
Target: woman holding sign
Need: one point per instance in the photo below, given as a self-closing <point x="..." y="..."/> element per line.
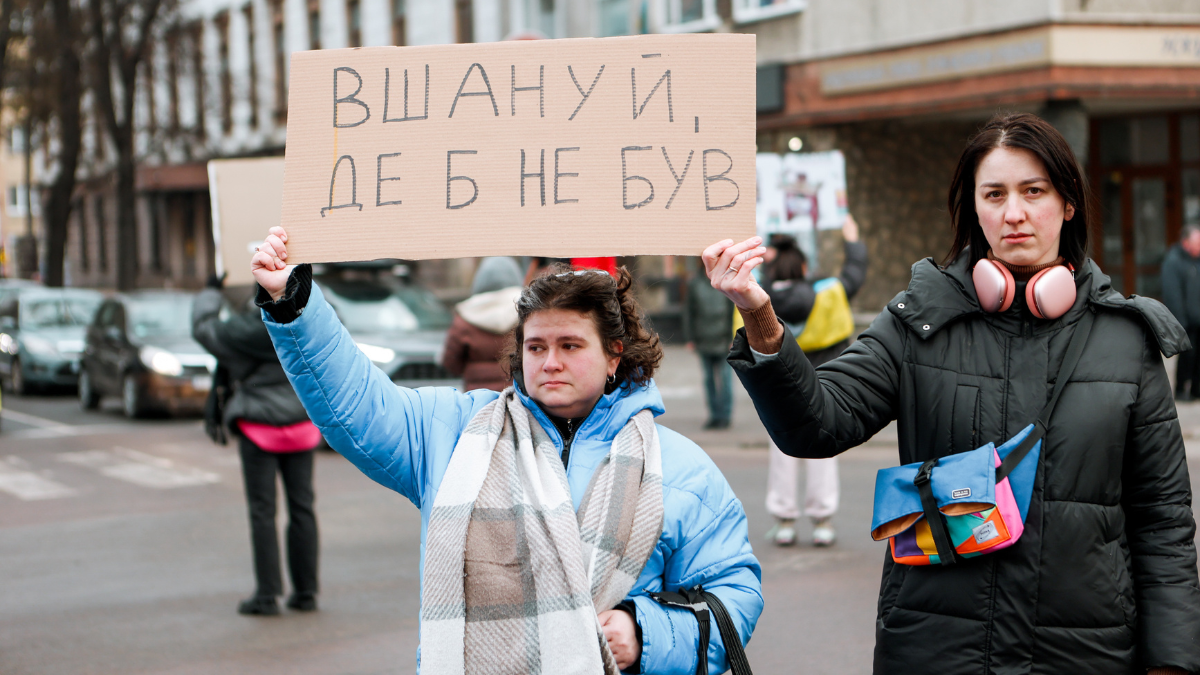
<point x="555" y="513"/>
<point x="1068" y="546"/>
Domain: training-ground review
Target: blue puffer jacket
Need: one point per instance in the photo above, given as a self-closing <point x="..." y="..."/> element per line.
<point x="402" y="438"/>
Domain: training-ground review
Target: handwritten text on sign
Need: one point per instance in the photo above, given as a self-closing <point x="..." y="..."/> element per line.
<point x="615" y="146"/>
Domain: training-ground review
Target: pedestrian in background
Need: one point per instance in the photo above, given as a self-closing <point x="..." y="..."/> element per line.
<point x="793" y="296"/>
<point x="482" y="323"/>
<point x="275" y="438"/>
<point x="708" y="331"/>
<point x="1181" y="294"/>
<point x="1102" y="578"/>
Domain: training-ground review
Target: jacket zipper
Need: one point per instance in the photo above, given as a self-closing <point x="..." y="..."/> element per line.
<point x="566" y="456"/>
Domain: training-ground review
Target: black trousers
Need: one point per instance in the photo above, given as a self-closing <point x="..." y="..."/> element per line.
<point x="1189" y="366"/>
<point x="258" y="471"/>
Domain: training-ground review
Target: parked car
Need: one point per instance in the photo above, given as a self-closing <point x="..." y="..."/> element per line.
<point x="140" y="348"/>
<point x="10" y="286"/>
<point x="399" y="325"/>
<point x="41" y="335"/>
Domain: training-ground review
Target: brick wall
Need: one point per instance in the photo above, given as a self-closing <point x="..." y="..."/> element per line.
<point x="897" y="174"/>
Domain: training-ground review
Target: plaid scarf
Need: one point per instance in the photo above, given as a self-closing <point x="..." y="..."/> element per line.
<point x="514" y="578"/>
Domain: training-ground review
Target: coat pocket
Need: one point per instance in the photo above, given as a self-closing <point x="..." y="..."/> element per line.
<point x="965" y="419"/>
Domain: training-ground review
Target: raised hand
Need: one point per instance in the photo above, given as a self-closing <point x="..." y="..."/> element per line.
<point x="268" y="264"/>
<point x="728" y="266"/>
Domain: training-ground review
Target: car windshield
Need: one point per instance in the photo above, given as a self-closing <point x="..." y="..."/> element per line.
<point x="153" y="317"/>
<point x="56" y="312"/>
<point x="366" y="307"/>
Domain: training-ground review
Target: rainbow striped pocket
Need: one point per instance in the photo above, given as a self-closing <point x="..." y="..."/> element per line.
<point x="977" y="514"/>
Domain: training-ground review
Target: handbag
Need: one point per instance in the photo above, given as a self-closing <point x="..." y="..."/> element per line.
<point x="970" y="503"/>
<point x="707" y="607"/>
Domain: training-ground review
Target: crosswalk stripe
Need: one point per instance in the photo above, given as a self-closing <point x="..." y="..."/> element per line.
<point x="27" y="485"/>
<point x="139" y="468"/>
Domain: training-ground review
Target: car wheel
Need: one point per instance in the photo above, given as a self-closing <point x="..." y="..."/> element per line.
<point x="16" y="379"/>
<point x="132" y="400"/>
<point x="89" y="398"/>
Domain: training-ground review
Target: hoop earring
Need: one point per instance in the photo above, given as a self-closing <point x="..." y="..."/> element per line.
<point x="612" y="378"/>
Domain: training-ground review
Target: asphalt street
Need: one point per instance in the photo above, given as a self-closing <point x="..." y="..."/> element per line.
<point x="124" y="548"/>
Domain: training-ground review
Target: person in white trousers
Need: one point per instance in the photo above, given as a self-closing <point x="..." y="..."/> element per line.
<point x="793" y="296"/>
<point x="820" y="496"/>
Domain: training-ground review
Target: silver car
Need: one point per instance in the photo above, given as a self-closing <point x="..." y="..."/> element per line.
<point x="401" y="327"/>
<point x="42" y="335"/>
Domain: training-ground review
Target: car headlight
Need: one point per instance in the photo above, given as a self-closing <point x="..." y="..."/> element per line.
<point x="161" y="361"/>
<point x="39" y="346"/>
<point x="7" y="344"/>
<point x="377" y="354"/>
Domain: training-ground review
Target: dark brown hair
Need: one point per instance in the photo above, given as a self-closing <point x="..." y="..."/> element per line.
<point x="790" y="262"/>
<point x="609" y="302"/>
<point x="1032" y="133"/>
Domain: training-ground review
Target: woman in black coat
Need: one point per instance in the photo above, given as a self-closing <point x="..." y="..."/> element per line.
<point x="1104" y="578"/>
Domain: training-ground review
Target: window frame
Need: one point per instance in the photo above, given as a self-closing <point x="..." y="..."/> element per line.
<point x="708" y="20"/>
<point x="745" y="14"/>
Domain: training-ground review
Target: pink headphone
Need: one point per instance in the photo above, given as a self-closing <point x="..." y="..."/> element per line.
<point x="1049" y="294"/>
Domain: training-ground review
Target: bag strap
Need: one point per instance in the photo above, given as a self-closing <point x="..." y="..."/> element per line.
<point x="937" y="522"/>
<point x="1074" y="350"/>
<point x="707" y="606"/>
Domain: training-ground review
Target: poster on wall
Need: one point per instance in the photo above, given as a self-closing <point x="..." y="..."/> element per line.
<point x="799" y="194"/>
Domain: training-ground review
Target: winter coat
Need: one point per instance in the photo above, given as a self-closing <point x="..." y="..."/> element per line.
<point x="403" y="439"/>
<point x="707" y="317"/>
<point x="793" y="300"/>
<point x="261" y="391"/>
<point x="477" y="336"/>
<point x="1103" y="581"/>
<point x="1181" y="286"/>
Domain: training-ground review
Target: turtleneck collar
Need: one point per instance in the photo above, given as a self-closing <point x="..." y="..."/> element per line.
<point x="1025" y="272"/>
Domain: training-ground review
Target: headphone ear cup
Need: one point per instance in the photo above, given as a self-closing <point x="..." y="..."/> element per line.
<point x="994" y="286"/>
<point x="1051" y="292"/>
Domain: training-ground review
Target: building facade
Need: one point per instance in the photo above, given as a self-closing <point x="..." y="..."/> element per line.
<point x="899" y="85"/>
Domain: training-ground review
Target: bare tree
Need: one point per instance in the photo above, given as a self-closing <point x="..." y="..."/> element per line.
<point x="63" y="31"/>
<point x="120" y="32"/>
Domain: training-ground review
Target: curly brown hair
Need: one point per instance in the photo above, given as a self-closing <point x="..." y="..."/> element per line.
<point x="609" y="302"/>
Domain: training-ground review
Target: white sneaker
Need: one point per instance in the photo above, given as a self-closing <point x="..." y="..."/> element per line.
<point x="823" y="532"/>
<point x="783" y="534"/>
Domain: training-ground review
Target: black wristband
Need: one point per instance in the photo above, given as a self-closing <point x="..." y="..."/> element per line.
<point x="295" y="296"/>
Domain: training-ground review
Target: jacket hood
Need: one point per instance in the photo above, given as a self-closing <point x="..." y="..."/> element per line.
<point x="494" y="312"/>
<point x="496" y="273"/>
<point x="610" y="415"/>
<point x="938" y="296"/>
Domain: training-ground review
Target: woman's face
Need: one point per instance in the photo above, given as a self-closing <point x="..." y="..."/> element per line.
<point x="1019" y="210"/>
<point x="564" y="363"/>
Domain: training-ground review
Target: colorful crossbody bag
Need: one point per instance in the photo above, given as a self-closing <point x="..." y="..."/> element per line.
<point x="970" y="503"/>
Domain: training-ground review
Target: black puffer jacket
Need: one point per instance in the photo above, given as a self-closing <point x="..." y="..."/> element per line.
<point x="793" y="300"/>
<point x="262" y="392"/>
<point x="1104" y="578"/>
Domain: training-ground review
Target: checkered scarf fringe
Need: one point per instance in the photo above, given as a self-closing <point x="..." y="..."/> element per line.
<point x="514" y="578"/>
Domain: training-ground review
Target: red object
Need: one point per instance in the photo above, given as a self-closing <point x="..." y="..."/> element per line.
<point x="605" y="263"/>
<point x="292" y="438"/>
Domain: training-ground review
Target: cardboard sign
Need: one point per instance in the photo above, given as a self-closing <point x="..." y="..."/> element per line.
<point x="580" y="147"/>
<point x="246" y="198"/>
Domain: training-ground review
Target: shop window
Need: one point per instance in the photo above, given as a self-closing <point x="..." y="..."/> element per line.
<point x="398" y="14"/>
<point x="1189" y="138"/>
<point x="280" y="47"/>
<point x="226" y="77"/>
<point x="748" y="11"/>
<point x="614" y="17"/>
<point x="173" y="47"/>
<point x="464" y="21"/>
<point x="314" y="24"/>
<point x="688" y="16"/>
<point x="251" y="31"/>
<point x="354" y="21"/>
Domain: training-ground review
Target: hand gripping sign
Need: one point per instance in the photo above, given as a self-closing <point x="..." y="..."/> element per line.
<point x="581" y="147"/>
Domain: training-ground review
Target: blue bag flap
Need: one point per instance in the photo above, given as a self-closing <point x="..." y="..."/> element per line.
<point x="966" y="480"/>
<point x="1021" y="479"/>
